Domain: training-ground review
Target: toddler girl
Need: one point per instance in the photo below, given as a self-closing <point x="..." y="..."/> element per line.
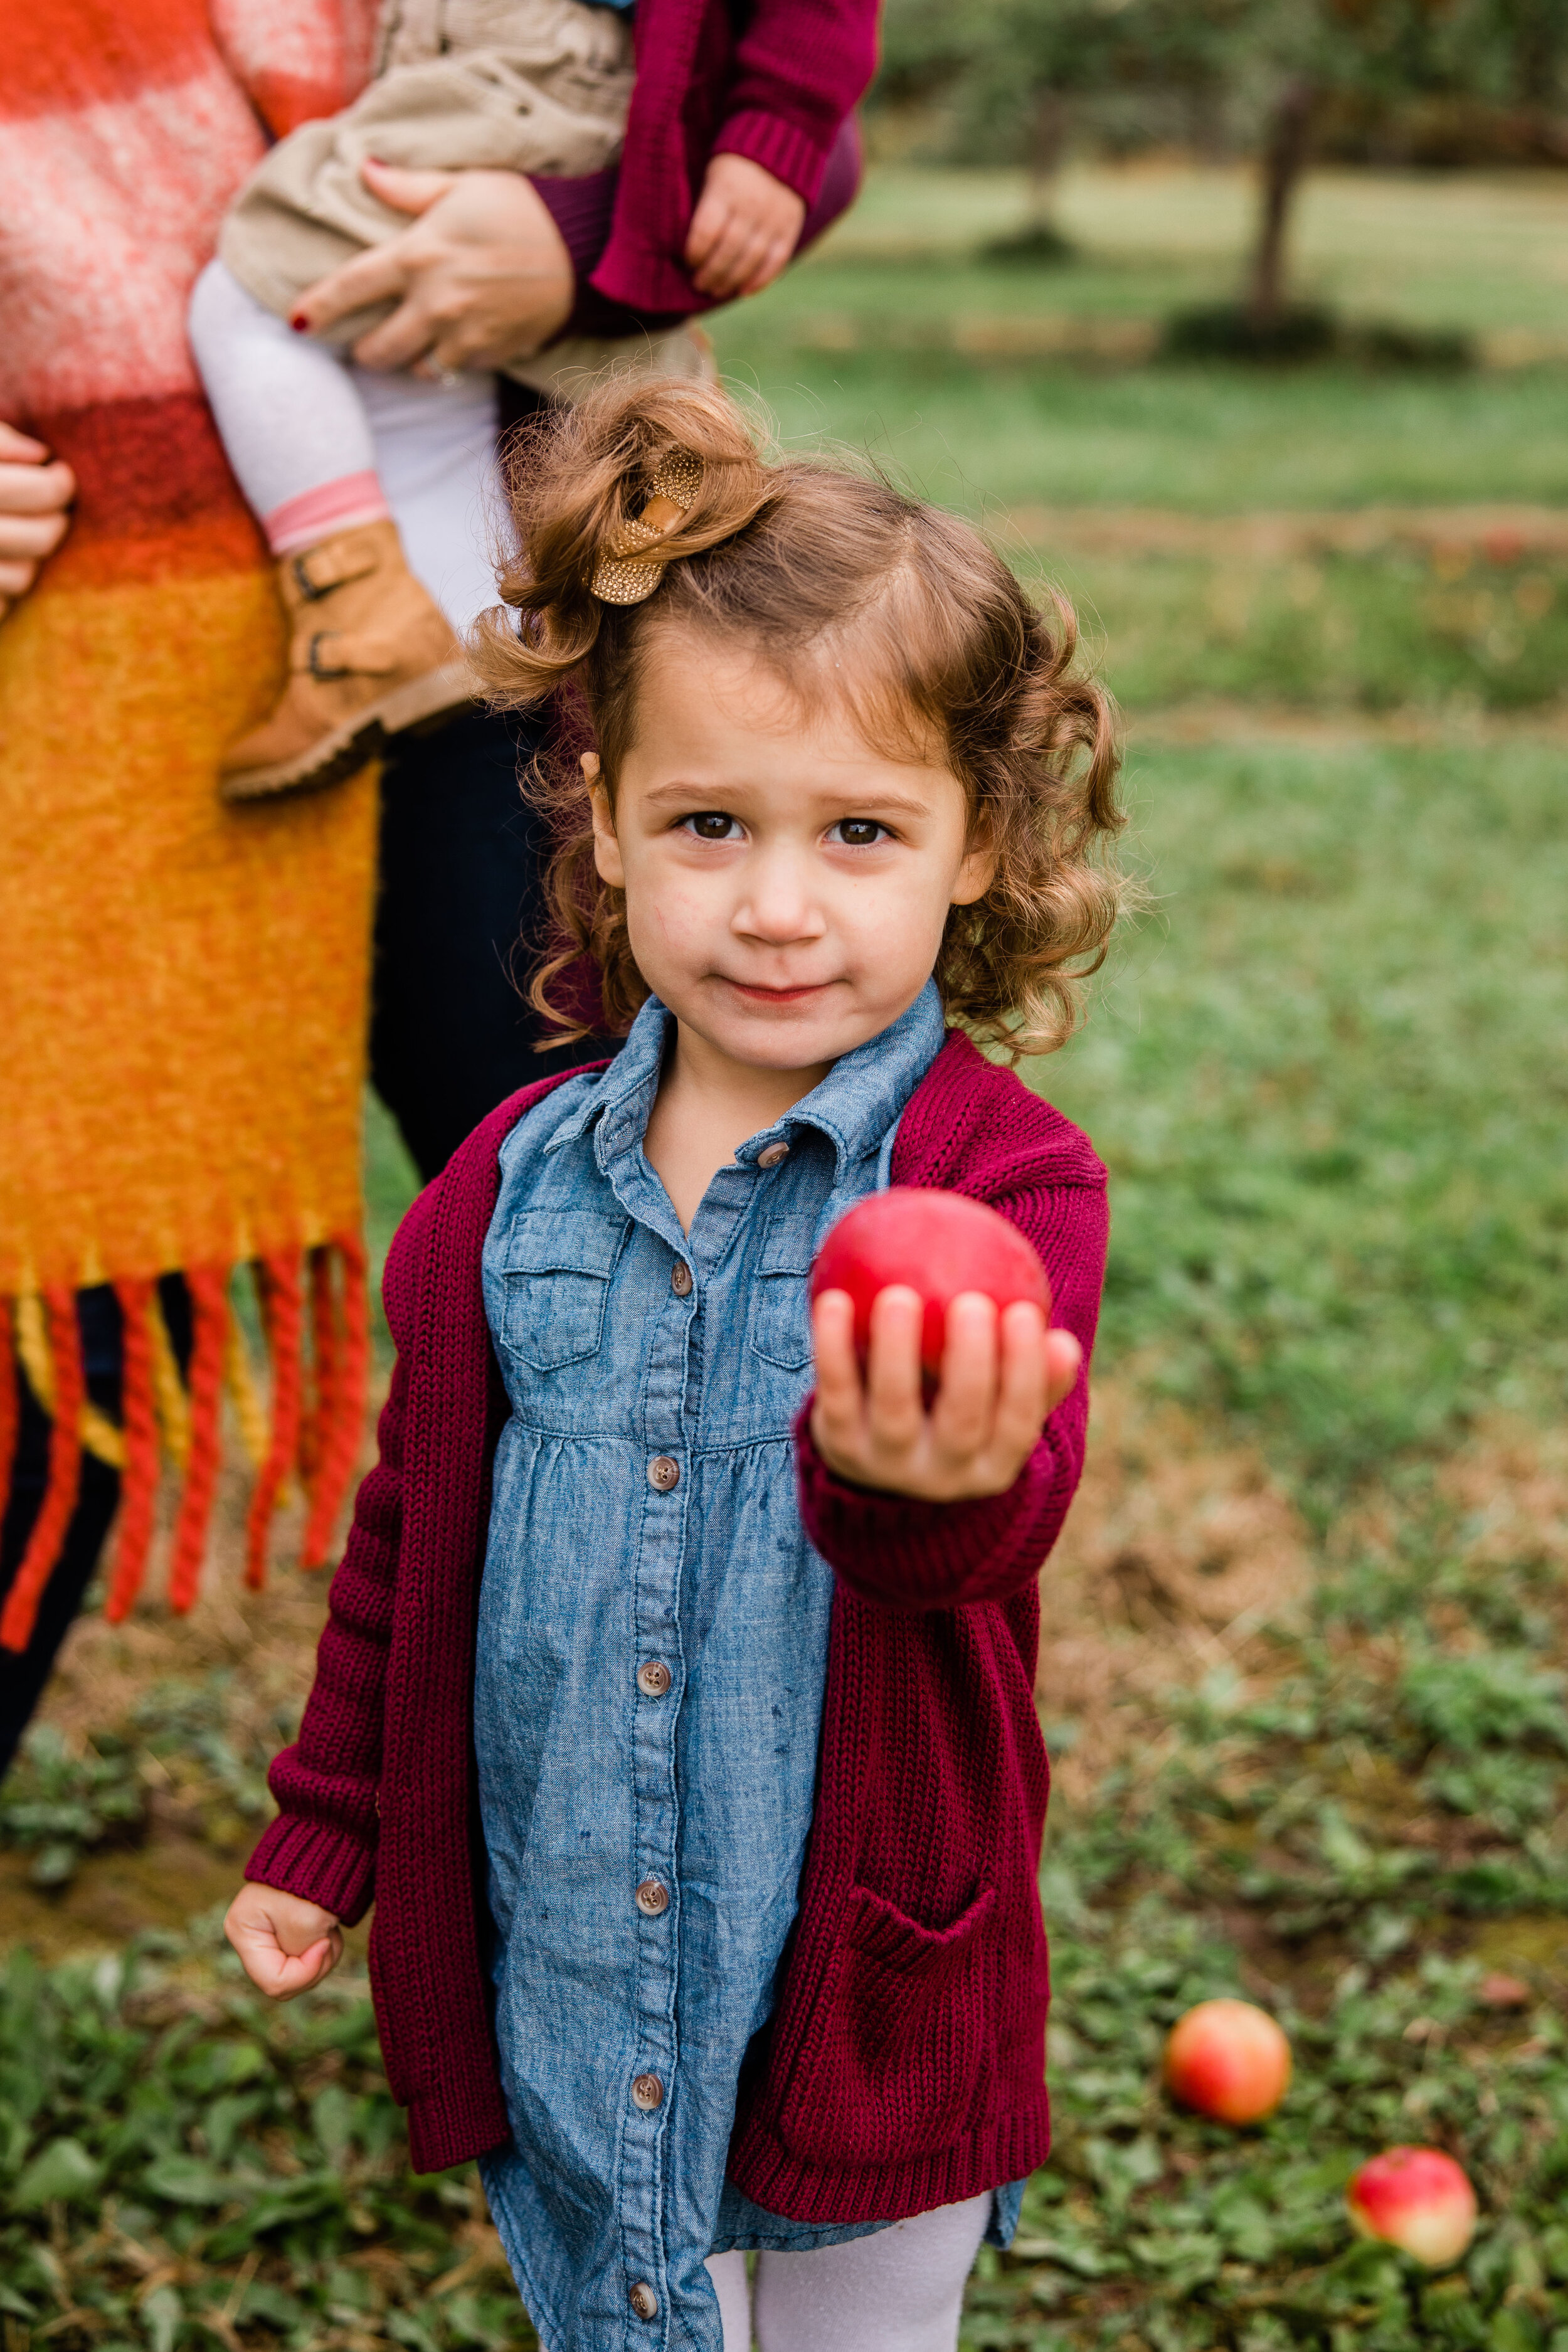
<point x="678" y="1711"/>
<point x="541" y="86"/>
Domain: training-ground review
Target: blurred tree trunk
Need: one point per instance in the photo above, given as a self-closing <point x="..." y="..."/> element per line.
<point x="1047" y="138"/>
<point x="1284" y="161"/>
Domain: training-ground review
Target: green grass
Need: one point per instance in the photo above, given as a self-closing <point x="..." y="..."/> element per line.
<point x="1376" y="632"/>
<point x="1330" y="1080"/>
<point x="1477" y="250"/>
<point x="986" y="436"/>
<point x="1328" y="1074"/>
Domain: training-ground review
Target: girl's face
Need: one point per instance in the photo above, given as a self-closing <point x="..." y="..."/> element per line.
<point x="786" y="883"/>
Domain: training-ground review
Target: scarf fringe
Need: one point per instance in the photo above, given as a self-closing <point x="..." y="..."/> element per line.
<point x="139" y="1421"/>
<point x="308" y="1435"/>
<point x="281" y="1307"/>
<point x="21" y="1611"/>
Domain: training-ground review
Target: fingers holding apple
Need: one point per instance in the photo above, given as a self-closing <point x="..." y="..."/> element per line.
<point x="936" y="1365"/>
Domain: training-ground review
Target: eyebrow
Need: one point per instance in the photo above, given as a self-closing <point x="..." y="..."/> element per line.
<point x="893" y="802"/>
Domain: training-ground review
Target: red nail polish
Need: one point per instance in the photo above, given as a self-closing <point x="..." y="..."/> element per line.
<point x="300" y="323"/>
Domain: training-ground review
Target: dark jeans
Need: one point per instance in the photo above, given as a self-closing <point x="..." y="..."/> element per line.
<point x="460" y="911"/>
<point x="461" y="884"/>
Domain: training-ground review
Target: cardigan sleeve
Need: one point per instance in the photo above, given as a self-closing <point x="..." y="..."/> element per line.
<point x="910" y="1554"/>
<point x="584" y="211"/>
<point x="800" y="66"/>
<point x="323" y="1846"/>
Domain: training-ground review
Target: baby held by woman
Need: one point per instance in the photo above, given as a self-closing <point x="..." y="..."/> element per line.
<point x="747" y="125"/>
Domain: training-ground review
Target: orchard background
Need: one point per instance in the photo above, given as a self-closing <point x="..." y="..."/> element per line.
<point x="1307" y="1633"/>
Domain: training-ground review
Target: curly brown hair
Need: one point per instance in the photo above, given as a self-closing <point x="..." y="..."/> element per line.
<point x="804" y="561"/>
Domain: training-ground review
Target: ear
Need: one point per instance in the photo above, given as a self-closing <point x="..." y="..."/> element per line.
<point x="607" y="858"/>
<point x="978" y="870"/>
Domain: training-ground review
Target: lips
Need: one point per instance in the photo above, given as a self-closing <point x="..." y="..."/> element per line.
<point x="757" y="996"/>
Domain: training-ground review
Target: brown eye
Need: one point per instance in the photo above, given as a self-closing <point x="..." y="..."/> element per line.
<point x="711" y="826"/>
<point x="857" y="832"/>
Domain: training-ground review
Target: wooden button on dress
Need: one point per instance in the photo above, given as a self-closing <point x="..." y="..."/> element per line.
<point x="653" y="1678"/>
<point x="680" y="1278"/>
<point x="771" y="1153"/>
<point x="652" y="1897"/>
<point x="647" y="2092"/>
<point x="664" y="1473"/>
<point x="643" y="2300"/>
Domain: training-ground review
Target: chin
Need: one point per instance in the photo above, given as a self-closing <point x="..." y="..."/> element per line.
<point x="788" y="1036"/>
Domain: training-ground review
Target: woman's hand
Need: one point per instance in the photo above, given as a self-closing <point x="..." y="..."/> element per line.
<point x="483" y="276"/>
<point x="286" y="1946"/>
<point x="35" y="491"/>
<point x="746" y="227"/>
<point x="1001" y="1375"/>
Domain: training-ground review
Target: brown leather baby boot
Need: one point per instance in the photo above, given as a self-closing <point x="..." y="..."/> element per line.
<point x="369" y="655"/>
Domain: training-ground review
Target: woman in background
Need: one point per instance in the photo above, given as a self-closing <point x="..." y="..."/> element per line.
<point x="184" y="989"/>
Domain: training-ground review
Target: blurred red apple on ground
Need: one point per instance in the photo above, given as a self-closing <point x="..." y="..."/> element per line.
<point x="937" y="1243"/>
<point x="1227" y="2060"/>
<point x="1418" y="2199"/>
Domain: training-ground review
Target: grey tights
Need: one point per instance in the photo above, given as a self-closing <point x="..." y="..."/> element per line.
<point x="901" y="2290"/>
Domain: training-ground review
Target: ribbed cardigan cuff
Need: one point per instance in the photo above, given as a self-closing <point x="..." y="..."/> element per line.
<point x="318" y="1864"/>
<point x="456" y="2122"/>
<point x="908" y="1553"/>
<point x="790" y="153"/>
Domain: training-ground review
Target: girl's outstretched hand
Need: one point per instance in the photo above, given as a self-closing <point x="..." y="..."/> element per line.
<point x="1001" y="1375"/>
<point x="286" y="1945"/>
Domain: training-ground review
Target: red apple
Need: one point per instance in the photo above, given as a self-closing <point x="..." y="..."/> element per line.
<point x="937" y="1243"/>
<point x="1416" y="2198"/>
<point x="1228" y="2060"/>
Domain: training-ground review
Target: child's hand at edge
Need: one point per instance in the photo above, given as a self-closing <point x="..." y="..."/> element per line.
<point x="1001" y="1375"/>
<point x="285" y="1945"/>
<point x="746" y="227"/>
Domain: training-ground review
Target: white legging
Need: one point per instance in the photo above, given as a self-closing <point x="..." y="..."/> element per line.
<point x="900" y="2290"/>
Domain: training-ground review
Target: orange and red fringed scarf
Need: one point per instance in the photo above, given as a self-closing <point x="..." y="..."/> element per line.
<point x="183" y="986"/>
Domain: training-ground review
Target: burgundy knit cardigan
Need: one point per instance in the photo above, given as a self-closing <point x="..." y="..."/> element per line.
<point x="780" y="89"/>
<point x="904" y="2067"/>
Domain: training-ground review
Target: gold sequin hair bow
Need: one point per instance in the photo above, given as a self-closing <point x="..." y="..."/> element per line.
<point x="628" y="575"/>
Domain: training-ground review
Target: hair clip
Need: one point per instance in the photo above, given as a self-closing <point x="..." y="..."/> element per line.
<point x="627" y="576"/>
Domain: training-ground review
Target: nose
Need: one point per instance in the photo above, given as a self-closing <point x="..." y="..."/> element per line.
<point x="777" y="905"/>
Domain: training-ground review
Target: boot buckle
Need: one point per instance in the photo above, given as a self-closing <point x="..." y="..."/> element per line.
<point x="311" y="590"/>
<point x="317" y="668"/>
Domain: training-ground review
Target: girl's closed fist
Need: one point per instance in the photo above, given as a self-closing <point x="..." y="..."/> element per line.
<point x="285" y="1945"/>
<point x="1001" y="1375"/>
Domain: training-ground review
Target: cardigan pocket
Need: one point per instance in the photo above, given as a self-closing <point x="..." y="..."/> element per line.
<point x="557" y="1266"/>
<point x="899" y="2055"/>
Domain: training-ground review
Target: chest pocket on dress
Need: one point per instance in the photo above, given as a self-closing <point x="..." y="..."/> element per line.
<point x="558" y="1265"/>
<point x="781" y="1310"/>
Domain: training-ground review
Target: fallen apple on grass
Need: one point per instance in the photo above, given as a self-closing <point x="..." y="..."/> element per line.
<point x="1418" y="2199"/>
<point x="937" y="1244"/>
<point x="1228" y="2060"/>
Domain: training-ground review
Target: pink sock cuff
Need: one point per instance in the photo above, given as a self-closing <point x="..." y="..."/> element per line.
<point x="342" y="505"/>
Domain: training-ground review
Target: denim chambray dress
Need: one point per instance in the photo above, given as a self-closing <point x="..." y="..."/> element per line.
<point x="652" y="1648"/>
